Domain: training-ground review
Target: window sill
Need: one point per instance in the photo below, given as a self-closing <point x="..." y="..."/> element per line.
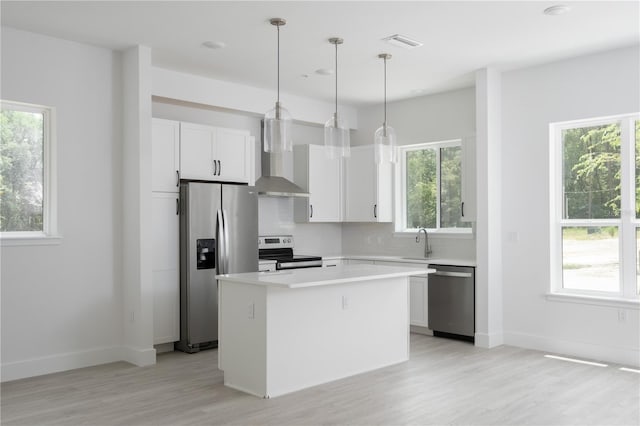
<point x="30" y="240"/>
<point x="614" y="302"/>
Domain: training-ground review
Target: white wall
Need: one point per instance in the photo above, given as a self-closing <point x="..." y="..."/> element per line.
<point x="438" y="117"/>
<point x="590" y="86"/>
<point x="275" y="214"/>
<point x="62" y="304"/>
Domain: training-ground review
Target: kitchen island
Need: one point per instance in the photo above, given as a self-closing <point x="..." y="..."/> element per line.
<point x="283" y="331"/>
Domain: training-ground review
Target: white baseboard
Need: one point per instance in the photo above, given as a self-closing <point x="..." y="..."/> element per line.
<point x="618" y="355"/>
<point x="140" y="357"/>
<point x="72" y="360"/>
<point x="488" y="340"/>
<point x="59" y="362"/>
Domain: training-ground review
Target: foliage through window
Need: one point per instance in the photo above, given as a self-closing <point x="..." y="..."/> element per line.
<point x="431" y="186"/>
<point x="24" y="149"/>
<point x="597" y="205"/>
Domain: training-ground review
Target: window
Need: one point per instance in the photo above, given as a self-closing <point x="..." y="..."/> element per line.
<point x="429" y="195"/>
<point x="596" y="208"/>
<point x="26" y="171"/>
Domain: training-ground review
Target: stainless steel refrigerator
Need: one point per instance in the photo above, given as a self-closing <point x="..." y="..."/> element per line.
<point x="218" y="235"/>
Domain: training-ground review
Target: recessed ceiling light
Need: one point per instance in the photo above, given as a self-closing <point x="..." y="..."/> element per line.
<point x="324" y="71"/>
<point x="214" y="44"/>
<point x="402" y="41"/>
<point x="558" y="9"/>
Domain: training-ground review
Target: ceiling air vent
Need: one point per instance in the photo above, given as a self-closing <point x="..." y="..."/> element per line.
<point x="402" y="41"/>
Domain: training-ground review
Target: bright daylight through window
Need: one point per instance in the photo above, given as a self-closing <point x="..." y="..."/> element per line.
<point x="598" y="206"/>
<point x="24" y="150"/>
<point x="431" y="187"/>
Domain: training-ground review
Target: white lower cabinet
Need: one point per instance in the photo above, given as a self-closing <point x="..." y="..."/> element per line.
<point x="418" y="301"/>
<point x="327" y="263"/>
<point x="266" y="266"/>
<point x="165" y="226"/>
<point x="418" y="294"/>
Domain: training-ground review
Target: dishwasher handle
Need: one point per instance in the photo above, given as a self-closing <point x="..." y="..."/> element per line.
<point x="453" y="274"/>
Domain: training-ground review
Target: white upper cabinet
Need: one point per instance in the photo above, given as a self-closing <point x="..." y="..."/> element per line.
<point x="368" y="196"/>
<point x="216" y="154"/>
<point x="234" y="151"/>
<point x="468" y="180"/>
<point x="165" y="155"/>
<point x="322" y="178"/>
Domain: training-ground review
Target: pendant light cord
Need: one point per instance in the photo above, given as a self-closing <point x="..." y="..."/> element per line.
<point x="278" y="26"/>
<point x="385" y="94"/>
<point x="336" y="80"/>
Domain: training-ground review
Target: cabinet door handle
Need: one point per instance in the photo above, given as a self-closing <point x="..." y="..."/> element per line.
<point x="219" y="168"/>
<point x="177" y="177"/>
<point x="375" y="211"/>
<point x="311" y="210"/>
<point x="215" y="168"/>
<point x="177" y="206"/>
<point x="462" y="208"/>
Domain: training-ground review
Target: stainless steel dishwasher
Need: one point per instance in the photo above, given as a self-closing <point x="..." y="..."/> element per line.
<point x="452" y="301"/>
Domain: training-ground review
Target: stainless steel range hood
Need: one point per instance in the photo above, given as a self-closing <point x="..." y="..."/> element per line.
<point x="273" y="183"/>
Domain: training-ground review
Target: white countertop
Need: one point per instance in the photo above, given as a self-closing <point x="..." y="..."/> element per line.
<point x="401" y="259"/>
<point x="309" y="277"/>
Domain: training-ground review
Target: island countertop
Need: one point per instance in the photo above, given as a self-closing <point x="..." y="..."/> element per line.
<point x="311" y="277"/>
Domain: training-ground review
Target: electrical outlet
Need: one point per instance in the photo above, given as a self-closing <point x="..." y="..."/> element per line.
<point x="622" y="315"/>
<point x="251" y="311"/>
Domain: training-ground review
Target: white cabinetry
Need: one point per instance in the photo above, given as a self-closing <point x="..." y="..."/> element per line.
<point x="418" y="300"/>
<point x="216" y="154"/>
<point x="328" y="263"/>
<point x="165" y="155"/>
<point x="367" y="187"/>
<point x="165" y="179"/>
<point x="418" y="294"/>
<point x="165" y="272"/>
<point x="266" y="266"/>
<point x="468" y="189"/>
<point x="322" y="178"/>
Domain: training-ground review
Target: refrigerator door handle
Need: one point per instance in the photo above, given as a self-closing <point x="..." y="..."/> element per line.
<point x="221" y="242"/>
<point x="225" y="231"/>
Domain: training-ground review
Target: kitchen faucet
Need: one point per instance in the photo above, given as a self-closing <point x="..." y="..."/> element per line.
<point x="427" y="249"/>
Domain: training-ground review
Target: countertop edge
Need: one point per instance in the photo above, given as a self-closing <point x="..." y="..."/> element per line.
<point x="253" y="278"/>
<point x="401" y="259"/>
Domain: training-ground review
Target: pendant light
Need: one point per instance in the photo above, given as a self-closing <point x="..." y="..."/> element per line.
<point x="336" y="131"/>
<point x="277" y="121"/>
<point x="385" y="136"/>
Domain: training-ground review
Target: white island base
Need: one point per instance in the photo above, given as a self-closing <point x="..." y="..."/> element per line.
<point x="280" y="332"/>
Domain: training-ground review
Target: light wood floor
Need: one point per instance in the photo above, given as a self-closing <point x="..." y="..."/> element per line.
<point x="445" y="382"/>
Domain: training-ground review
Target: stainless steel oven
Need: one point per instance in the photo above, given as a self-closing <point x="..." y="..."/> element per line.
<point x="280" y="249"/>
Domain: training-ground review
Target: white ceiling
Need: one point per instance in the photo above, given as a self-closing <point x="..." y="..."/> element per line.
<point x="459" y="37"/>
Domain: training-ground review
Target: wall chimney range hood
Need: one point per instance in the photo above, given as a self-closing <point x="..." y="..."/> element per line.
<point x="272" y="183"/>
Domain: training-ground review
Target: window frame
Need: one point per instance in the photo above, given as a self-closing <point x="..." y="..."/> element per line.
<point x="626" y="223"/>
<point x="50" y="231"/>
<point x="401" y="190"/>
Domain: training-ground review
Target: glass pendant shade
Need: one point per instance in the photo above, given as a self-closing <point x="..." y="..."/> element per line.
<point x="385" y="144"/>
<point x="337" y="140"/>
<point x="277" y="130"/>
<point x="384" y="140"/>
<point x="277" y="121"/>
